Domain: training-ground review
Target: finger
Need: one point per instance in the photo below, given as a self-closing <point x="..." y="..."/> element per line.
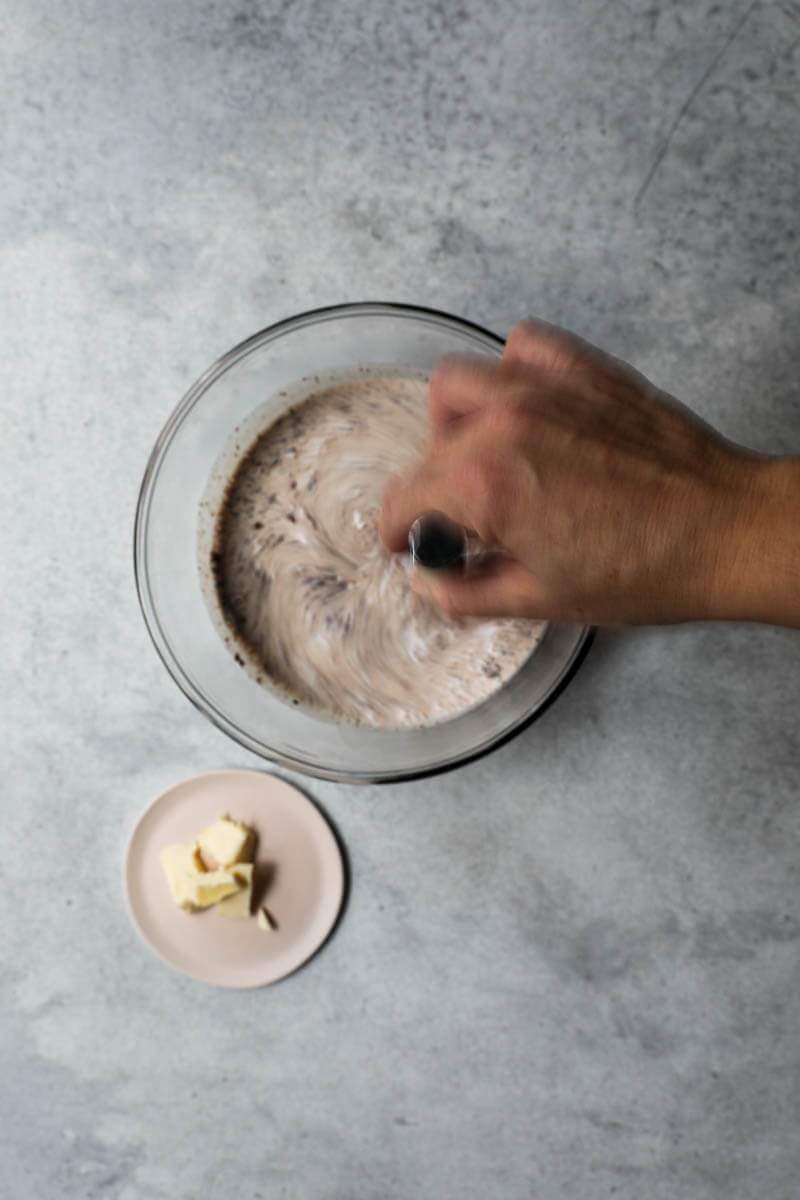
<point x="550" y="351"/>
<point x="406" y="499"/>
<point x="559" y="355"/>
<point x="460" y="384"/>
<point x="505" y="589"/>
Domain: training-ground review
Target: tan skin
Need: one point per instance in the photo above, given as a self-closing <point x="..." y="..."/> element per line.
<point x="611" y="503"/>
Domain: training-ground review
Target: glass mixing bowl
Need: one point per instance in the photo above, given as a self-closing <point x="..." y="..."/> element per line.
<point x="198" y="444"/>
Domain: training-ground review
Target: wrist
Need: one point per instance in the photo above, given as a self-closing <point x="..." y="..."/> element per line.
<point x="758" y="555"/>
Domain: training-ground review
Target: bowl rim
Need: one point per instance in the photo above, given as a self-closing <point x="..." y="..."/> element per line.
<point x="218" y="368"/>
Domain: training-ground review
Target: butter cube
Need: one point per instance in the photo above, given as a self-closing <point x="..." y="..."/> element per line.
<point x="210" y="887"/>
<point x="227" y="842"/>
<point x="238" y="904"/>
<point x="180" y="862"/>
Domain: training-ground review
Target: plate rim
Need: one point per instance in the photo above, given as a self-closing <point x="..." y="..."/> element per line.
<point x="341" y="868"/>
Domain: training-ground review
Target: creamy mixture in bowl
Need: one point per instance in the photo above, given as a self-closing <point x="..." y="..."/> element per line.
<point x="313" y="605"/>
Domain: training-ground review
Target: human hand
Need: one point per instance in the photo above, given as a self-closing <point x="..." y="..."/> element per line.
<point x="610" y="503"/>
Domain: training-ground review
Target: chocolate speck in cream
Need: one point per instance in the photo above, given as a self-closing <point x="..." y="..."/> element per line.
<point x="317" y="607"/>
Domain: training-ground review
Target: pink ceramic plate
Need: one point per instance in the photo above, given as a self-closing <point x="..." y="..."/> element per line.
<point x="299" y="872"/>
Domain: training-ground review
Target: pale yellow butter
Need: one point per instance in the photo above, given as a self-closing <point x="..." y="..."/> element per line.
<point x="181" y="862"/>
<point x="238" y="904"/>
<point x="215" y="869"/>
<point x="227" y="842"/>
<point x="209" y="888"/>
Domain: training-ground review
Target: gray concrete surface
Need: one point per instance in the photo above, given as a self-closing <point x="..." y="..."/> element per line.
<point x="571" y="969"/>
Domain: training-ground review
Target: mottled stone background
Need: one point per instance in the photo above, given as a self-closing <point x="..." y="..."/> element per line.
<point x="569" y="970"/>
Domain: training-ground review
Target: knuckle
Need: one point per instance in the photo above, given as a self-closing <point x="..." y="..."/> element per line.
<point x="520" y="337"/>
<point x="510" y="419"/>
<point x="481" y="483"/>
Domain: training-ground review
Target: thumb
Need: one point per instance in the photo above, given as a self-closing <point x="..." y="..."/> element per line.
<point x="502" y="588"/>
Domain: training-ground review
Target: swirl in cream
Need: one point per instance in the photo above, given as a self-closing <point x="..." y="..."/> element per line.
<point x="315" y="600"/>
